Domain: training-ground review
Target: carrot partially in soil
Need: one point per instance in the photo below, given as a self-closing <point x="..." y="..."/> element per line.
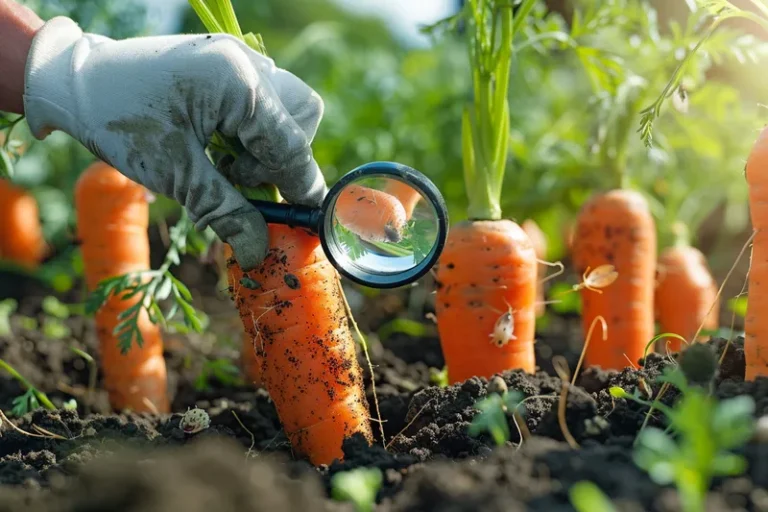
<point x="485" y="299"/>
<point x="539" y="241"/>
<point x="112" y="222"/>
<point x="756" y="322"/>
<point x="371" y="214"/>
<point x="686" y="294"/>
<point x="21" y="234"/>
<point x="486" y="276"/>
<point x="293" y="311"/>
<point x="616" y="227"/>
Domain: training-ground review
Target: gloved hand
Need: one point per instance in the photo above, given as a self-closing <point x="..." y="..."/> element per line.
<point x="148" y="106"/>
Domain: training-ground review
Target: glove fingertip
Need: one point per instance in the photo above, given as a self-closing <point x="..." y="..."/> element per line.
<point x="247" y="235"/>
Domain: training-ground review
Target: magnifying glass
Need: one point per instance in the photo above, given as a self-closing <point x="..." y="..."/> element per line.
<point x="382" y="225"/>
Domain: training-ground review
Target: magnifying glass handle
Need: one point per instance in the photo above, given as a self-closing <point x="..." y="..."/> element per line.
<point x="292" y="215"/>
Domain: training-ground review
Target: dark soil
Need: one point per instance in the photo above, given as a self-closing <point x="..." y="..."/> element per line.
<point x="76" y="460"/>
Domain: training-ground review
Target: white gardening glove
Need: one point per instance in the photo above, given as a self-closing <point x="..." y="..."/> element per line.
<point x="148" y="107"/>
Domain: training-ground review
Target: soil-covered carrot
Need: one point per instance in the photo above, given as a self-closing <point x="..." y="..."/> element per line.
<point x="112" y="222"/>
<point x="487" y="273"/>
<point x="371" y="214"/>
<point x="21" y="234"/>
<point x="485" y="299"/>
<point x="617" y="228"/>
<point x="293" y="311"/>
<point x="686" y="293"/>
<point x="756" y="322"/>
<point x="539" y="241"/>
<point x="408" y="196"/>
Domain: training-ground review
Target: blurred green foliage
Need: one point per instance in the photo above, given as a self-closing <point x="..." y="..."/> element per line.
<point x="577" y="85"/>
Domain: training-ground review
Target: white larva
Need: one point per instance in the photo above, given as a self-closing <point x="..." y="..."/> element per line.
<point x="194" y="420"/>
<point x="503" y="330"/>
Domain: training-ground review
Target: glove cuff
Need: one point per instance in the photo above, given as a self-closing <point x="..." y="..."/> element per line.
<point x="49" y="96"/>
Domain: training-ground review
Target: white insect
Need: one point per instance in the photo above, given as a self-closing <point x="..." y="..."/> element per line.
<point x="504" y="329"/>
<point x="194" y="420"/>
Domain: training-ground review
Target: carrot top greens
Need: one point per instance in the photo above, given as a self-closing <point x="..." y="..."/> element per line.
<point x="485" y="121"/>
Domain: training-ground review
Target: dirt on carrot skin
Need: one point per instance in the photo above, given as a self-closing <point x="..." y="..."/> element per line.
<point x="431" y="463"/>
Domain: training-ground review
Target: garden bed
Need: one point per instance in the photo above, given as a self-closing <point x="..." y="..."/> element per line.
<point x="243" y="460"/>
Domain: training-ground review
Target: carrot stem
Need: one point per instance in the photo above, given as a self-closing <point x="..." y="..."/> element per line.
<point x="485" y="122"/>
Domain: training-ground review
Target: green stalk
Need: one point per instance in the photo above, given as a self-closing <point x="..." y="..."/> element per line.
<point x="41" y="397"/>
<point x="219" y="16"/>
<point x="485" y="125"/>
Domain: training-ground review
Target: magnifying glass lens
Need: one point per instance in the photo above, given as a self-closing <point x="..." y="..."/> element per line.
<point x="382" y="225"/>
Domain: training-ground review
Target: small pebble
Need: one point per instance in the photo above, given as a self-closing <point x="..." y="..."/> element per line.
<point x="497" y="385"/>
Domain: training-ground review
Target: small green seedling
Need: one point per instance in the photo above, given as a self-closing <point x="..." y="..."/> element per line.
<point x="494" y="409"/>
<point x="153" y="287"/>
<point x="439" y="377"/>
<point x="358" y="486"/>
<point x="585" y="496"/>
<point x="704" y="433"/>
<point x="32" y="397"/>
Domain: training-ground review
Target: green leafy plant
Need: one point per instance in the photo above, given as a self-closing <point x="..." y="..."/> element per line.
<point x="702" y="434"/>
<point x="358" y="486"/>
<point x="152" y="287"/>
<point x="492" y="415"/>
<point x="10" y="148"/>
<point x="32" y="397"/>
<point x="223" y="370"/>
<point x="713" y="13"/>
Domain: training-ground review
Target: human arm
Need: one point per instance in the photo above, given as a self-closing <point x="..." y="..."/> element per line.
<point x="18" y="26"/>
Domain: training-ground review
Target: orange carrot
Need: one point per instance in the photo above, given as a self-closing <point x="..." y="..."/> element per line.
<point x="112" y="221"/>
<point x="686" y="293"/>
<point x="371" y="214"/>
<point x="293" y="310"/>
<point x="21" y="235"/>
<point x="755" y="322"/>
<point x="486" y="279"/>
<point x="487" y="273"/>
<point x="408" y="196"/>
<point x="617" y="228"/>
<point x="539" y="241"/>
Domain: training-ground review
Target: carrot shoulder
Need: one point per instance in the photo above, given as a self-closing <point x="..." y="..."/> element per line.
<point x="686" y="295"/>
<point x="755" y="322"/>
<point x="487" y="270"/>
<point x="112" y="222"/>
<point x="21" y="235"/>
<point x="371" y="214"/>
<point x="293" y="311"/>
<point x="617" y="228"/>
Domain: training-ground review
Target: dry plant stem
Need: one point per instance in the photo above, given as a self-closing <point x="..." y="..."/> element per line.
<point x="4" y="418"/>
<point x="561" y="368"/>
<point x="733" y="322"/>
<point x="663" y="390"/>
<point x="408" y="425"/>
<point x="586" y="344"/>
<point x="253" y="439"/>
<point x="728" y="276"/>
<point x="367" y="358"/>
<point x="557" y="264"/>
<point x="522" y="427"/>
